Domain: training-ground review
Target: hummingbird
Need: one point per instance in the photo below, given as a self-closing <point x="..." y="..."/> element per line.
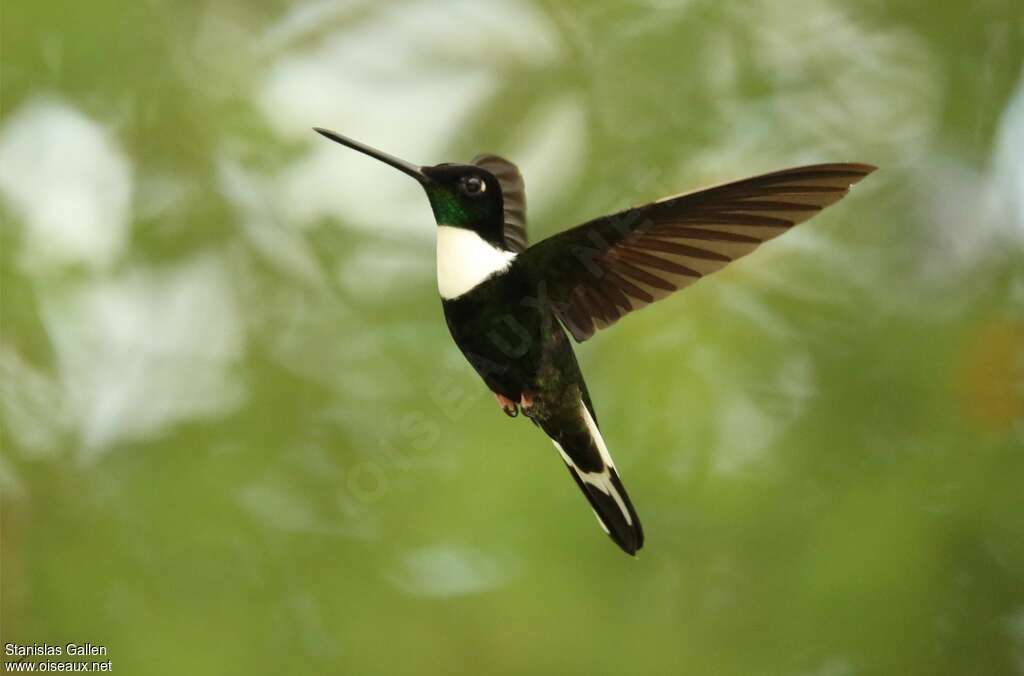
<point x="510" y="306"/>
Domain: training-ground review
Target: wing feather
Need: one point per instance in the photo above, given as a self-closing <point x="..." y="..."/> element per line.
<point x="513" y="193"/>
<point x="598" y="272"/>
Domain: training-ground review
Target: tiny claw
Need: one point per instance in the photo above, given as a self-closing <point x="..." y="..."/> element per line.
<point x="507" y="405"/>
<point x="526" y="403"/>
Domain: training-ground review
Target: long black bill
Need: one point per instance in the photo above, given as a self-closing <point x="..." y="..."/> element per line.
<point x="401" y="165"/>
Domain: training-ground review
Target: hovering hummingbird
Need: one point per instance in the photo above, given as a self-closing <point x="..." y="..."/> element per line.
<point x="506" y="302"/>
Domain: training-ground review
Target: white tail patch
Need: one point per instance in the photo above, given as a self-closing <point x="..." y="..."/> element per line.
<point x="595" y="434"/>
<point x="602" y="480"/>
<point x="464" y="260"/>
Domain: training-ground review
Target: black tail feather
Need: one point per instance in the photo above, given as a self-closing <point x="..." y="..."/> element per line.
<point x="575" y="434"/>
<point x="628" y="534"/>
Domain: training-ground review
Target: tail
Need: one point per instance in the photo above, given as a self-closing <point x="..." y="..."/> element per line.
<point x="586" y="455"/>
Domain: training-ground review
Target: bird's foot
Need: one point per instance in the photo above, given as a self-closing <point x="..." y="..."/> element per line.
<point x="526" y="404"/>
<point x="507" y="405"/>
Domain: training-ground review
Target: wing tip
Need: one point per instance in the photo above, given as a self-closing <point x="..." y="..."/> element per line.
<point x="859" y="167"/>
<point x="863" y="168"/>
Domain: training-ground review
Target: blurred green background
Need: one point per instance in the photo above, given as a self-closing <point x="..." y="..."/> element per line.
<point x="237" y="438"/>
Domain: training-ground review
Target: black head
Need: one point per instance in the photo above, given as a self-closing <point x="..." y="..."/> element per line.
<point x="461" y="195"/>
<point x="466" y="196"/>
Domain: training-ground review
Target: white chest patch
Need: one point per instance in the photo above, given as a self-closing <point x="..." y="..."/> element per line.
<point x="464" y="259"/>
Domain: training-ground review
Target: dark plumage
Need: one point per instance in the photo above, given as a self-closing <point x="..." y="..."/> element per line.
<point x="506" y="302"/>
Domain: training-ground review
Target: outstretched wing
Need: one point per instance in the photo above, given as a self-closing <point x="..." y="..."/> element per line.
<point x="513" y="195"/>
<point x="596" y="273"/>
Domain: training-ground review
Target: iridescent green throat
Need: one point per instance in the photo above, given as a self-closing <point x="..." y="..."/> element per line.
<point x="447" y="208"/>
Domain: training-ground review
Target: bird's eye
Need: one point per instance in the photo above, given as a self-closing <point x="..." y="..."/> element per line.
<point x="473" y="185"/>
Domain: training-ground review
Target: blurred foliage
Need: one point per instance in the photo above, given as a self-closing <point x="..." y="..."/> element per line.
<point x="238" y="440"/>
